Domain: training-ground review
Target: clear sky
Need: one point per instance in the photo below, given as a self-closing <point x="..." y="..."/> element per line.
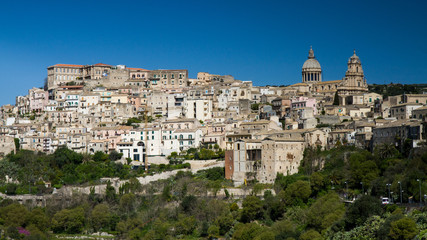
<point x="263" y="41"/>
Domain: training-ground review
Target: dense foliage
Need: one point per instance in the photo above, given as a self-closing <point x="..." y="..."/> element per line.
<point x="31" y="171"/>
<point x="314" y="204"/>
<point x="396" y="89"/>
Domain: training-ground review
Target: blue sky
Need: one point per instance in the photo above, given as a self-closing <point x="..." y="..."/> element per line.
<point x="263" y="41"/>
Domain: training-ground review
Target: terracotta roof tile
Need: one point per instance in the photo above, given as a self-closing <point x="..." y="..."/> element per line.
<point x="102" y="64"/>
<point x="137" y="69"/>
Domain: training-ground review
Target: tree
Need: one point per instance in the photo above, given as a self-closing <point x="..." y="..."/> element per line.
<point x="404" y="228"/>
<point x="127" y="203"/>
<point x="311" y="235"/>
<point x="296" y="193"/>
<point x="69" y="221"/>
<point x="255" y="106"/>
<point x="100" y="157"/>
<point x="336" y="99"/>
<point x="100" y="216"/>
<point x="248" y="231"/>
<point x="285" y="229"/>
<point x="17" y="144"/>
<point x="110" y="193"/>
<point x="361" y="210"/>
<point x="325" y="212"/>
<point x="252" y="209"/>
<point x="132" y="121"/>
<point x="39" y="219"/>
<point x="114" y="155"/>
<point x="186" y="225"/>
<point x="15" y="215"/>
<point x="9" y="169"/>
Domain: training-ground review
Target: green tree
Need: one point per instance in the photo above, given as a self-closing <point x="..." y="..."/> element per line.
<point x="39" y="219"/>
<point x="404" y="228"/>
<point x="248" y="231"/>
<point x="9" y="169"/>
<point x="296" y="193"/>
<point x="213" y="231"/>
<point x="100" y="216"/>
<point x="186" y="225"/>
<point x="132" y="121"/>
<point x="69" y="221"/>
<point x="325" y="211"/>
<point x="128" y="203"/>
<point x="110" y="193"/>
<point x="252" y="209"/>
<point x="14" y="215"/>
<point x="361" y="210"/>
<point x="311" y="235"/>
<point x="17" y="144"/>
<point x="114" y="155"/>
<point x="100" y="157"/>
<point x="255" y="106"/>
<point x="285" y="229"/>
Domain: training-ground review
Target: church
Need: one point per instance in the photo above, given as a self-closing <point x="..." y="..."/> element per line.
<point x="354" y="81"/>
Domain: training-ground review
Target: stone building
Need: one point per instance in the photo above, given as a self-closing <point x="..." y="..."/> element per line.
<point x="354" y="81"/>
<point x="404" y="111"/>
<point x="279" y="155"/>
<point x="7" y="145"/>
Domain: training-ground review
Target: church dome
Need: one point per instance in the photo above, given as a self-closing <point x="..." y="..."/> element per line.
<point x="311" y="62"/>
<point x="311" y="71"/>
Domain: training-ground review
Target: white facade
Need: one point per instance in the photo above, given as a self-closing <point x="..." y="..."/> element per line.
<point x="200" y="109"/>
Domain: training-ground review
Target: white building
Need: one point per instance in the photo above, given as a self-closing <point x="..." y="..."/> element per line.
<point x="201" y="109"/>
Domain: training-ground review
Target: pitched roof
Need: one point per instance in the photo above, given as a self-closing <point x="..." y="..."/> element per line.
<point x="137" y="69"/>
<point x="102" y="64"/>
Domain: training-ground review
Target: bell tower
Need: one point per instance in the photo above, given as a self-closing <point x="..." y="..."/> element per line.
<point x="354" y="75"/>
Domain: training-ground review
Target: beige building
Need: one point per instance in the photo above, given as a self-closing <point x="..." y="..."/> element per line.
<point x="279" y="155"/>
<point x="60" y="74"/>
<point x="7" y="145"/>
<point x="403" y="111"/>
<point x="415" y="98"/>
<point x="161" y="79"/>
<point x="354" y="81"/>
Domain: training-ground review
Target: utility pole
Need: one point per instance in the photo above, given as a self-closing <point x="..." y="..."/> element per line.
<point x="363" y="189"/>
<point x="400" y="188"/>
<point x="421" y="201"/>
<point x="346" y="189"/>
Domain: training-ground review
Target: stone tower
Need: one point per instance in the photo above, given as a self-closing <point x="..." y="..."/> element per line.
<point x="354" y="81"/>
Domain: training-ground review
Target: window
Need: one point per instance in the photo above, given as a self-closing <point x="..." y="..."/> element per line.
<point x="136" y="157"/>
<point x="135" y="150"/>
<point x="173" y="76"/>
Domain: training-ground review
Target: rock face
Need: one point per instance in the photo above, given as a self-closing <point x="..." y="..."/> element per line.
<point x="65" y="193"/>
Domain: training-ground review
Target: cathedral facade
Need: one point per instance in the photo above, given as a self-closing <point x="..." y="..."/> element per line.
<point x="354" y="81"/>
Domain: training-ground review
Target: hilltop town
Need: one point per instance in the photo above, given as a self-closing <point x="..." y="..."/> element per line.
<point x="148" y="115"/>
